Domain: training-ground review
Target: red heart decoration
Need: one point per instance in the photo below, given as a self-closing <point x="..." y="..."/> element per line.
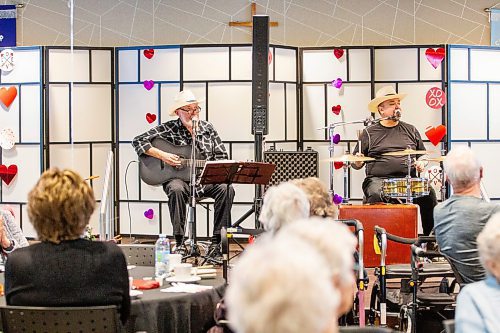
<point x="435" y="134"/>
<point x="338" y="53"/>
<point x="7" y="96"/>
<point x="338" y="165"/>
<point x="435" y="57"/>
<point x="150" y="117"/>
<point x="149" y="53"/>
<point x="336" y="109"/>
<point x="269" y="57"/>
<point x="8" y="173"/>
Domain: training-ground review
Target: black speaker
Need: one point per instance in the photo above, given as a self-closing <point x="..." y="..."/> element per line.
<point x="260" y="74"/>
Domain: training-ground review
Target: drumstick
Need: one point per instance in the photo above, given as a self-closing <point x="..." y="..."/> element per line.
<point x="92" y="177"/>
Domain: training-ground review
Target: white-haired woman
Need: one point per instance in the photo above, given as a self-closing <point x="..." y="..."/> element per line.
<point x="337" y="244"/>
<point x="283" y="204"/>
<point x="282" y="286"/>
<point x="478" y="303"/>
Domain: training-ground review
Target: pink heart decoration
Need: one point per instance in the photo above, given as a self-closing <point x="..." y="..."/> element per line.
<point x="149" y="84"/>
<point x="338" y="165"/>
<point x="337" y="83"/>
<point x="149" y="214"/>
<point x="149" y="53"/>
<point x="336" y="138"/>
<point x="435" y="57"/>
<point x="338" y="53"/>
<point x="435" y="134"/>
<point x="269" y="57"/>
<point x="337" y="199"/>
<point x="150" y="117"/>
<point x="336" y="109"/>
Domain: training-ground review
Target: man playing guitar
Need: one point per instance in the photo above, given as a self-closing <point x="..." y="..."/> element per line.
<point x="179" y="133"/>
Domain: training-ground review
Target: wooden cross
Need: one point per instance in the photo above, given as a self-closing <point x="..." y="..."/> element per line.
<point x="250" y="23"/>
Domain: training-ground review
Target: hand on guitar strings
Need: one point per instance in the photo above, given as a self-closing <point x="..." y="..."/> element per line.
<point x="171" y="159"/>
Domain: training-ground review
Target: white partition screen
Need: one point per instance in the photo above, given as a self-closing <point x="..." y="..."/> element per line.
<point x="21" y="136"/>
<point x="474" y="95"/>
<point x="338" y="83"/>
<point x="221" y="76"/>
<point x="80" y="111"/>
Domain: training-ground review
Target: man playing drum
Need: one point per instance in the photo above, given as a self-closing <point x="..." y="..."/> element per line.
<point x="387" y="136"/>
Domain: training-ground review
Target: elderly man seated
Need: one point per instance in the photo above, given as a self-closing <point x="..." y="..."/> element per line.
<point x="459" y="219"/>
<point x="282" y="286"/>
<point x="478" y="303"/>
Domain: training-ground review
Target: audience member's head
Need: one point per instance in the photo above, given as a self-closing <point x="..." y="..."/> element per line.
<point x="282" y="287"/>
<point x="319" y="198"/>
<point x="283" y="204"/>
<point x="60" y="205"/>
<point x="337" y="244"/>
<point x="488" y="244"/>
<point x="462" y="168"/>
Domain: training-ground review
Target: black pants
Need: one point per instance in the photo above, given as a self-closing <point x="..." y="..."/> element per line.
<point x="372" y="189"/>
<point x="178" y="197"/>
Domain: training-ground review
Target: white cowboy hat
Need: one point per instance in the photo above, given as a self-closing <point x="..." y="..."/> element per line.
<point x="182" y="98"/>
<point x="383" y="94"/>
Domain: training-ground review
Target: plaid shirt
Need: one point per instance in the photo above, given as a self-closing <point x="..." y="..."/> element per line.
<point x="208" y="142"/>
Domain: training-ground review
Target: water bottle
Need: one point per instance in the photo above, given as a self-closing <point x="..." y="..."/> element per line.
<point x="162" y="251"/>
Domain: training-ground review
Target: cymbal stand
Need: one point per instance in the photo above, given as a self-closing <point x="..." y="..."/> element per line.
<point x="346" y="182"/>
<point x="409" y="198"/>
<point x="443" y="185"/>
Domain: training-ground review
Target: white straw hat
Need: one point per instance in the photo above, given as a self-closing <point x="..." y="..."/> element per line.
<point x="182" y="98"/>
<point x="383" y="94"/>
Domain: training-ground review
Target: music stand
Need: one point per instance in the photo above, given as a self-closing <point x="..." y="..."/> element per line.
<point x="232" y="172"/>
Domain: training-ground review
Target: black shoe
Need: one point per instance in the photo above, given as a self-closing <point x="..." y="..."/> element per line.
<point x="214" y="252"/>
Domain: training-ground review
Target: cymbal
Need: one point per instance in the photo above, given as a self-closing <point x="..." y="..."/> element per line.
<point x="434" y="159"/>
<point x="407" y="152"/>
<point x="351" y="158"/>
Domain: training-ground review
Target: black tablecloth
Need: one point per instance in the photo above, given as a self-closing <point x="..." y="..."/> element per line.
<point x="155" y="311"/>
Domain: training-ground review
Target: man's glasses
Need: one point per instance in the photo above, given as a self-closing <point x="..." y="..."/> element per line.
<point x="195" y="110"/>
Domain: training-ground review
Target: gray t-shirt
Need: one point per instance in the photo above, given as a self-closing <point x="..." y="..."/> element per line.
<point x="457" y="223"/>
<point x="378" y="139"/>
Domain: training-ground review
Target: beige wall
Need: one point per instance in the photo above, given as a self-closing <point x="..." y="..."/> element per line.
<point x="301" y="22"/>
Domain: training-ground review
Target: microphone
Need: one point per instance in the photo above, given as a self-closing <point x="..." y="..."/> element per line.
<point x="195" y="121"/>
<point x="397" y="114"/>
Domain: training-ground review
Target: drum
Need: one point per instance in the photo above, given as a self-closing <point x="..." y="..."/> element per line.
<point x="396" y="187"/>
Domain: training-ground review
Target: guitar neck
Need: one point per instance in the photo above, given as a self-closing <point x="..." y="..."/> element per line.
<point x="198" y="163"/>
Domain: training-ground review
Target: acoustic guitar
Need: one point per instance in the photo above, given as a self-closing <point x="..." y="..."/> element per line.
<point x="154" y="171"/>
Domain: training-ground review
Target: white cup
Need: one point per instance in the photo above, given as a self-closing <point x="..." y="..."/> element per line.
<point x="159" y="279"/>
<point x="183" y="270"/>
<point x="174" y="259"/>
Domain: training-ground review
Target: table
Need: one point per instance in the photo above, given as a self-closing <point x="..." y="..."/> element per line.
<point x="158" y="312"/>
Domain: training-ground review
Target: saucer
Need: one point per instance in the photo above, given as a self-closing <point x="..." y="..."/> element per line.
<point x="135" y="293"/>
<point x="187" y="279"/>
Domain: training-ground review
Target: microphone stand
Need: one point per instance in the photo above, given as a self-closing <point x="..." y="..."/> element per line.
<point x="194" y="251"/>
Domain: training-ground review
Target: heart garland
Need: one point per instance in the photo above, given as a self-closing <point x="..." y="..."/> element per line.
<point x="149" y="84"/>
<point x="338" y="53"/>
<point x="7" y="96"/>
<point x="335" y="138"/>
<point x="7" y="138"/>
<point x="150" y="117"/>
<point x="435" y="134"/>
<point x="337" y="83"/>
<point x="336" y="109"/>
<point x="149" y="214"/>
<point x="7" y="174"/>
<point x="149" y="53"/>
<point x="337" y="199"/>
<point x="338" y="165"/>
<point x="435" y="57"/>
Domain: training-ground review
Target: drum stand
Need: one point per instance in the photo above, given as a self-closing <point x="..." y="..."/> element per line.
<point x="409" y="197"/>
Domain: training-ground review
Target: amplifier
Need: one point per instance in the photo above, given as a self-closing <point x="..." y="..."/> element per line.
<point x="292" y="165"/>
